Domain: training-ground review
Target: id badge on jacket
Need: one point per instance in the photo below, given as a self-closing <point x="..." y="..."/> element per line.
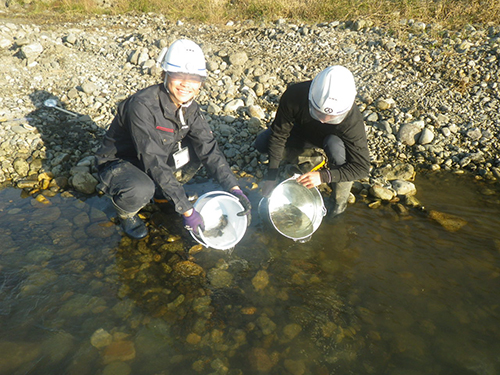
<point x="181" y="156"/>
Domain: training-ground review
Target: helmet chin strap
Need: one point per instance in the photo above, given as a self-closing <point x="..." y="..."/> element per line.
<point x="181" y="105"/>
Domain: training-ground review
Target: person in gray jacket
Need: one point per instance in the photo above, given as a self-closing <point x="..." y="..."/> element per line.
<point x="157" y="133"/>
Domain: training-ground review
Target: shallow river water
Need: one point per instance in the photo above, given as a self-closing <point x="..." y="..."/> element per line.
<point x="373" y="292"/>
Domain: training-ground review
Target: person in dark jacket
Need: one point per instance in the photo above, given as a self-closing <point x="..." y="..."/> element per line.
<point x="157" y="134"/>
<point x="320" y="113"/>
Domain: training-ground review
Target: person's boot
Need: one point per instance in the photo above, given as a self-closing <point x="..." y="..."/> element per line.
<point x="131" y="223"/>
<point x="340" y="197"/>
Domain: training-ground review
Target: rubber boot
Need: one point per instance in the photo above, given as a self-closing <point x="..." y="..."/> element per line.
<point x="340" y="196"/>
<point x="131" y="223"/>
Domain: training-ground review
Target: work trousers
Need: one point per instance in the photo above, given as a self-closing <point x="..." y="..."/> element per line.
<point x="333" y="146"/>
<point x="131" y="188"/>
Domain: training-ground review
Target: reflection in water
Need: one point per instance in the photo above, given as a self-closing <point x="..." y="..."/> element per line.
<point x="292" y="222"/>
<point x="373" y="292"/>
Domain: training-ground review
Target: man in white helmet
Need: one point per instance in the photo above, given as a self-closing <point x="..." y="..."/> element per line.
<point x="320" y="113"/>
<point x="157" y="133"/>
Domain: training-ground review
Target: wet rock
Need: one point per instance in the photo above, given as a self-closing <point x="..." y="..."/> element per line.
<point x="290" y="331"/>
<point x="451" y="223"/>
<point x="58" y="346"/>
<point x="266" y="324"/>
<point x="260" y="360"/>
<point x="260" y="280"/>
<point x="118" y="351"/>
<point x="102" y="229"/>
<point x="101" y="338"/>
<point x="219" y="278"/>
<point x="14" y="354"/>
<point x="117" y="368"/>
<point x="193" y="339"/>
<point x="295" y="367"/>
<point x="188" y="269"/>
<point x="37" y="280"/>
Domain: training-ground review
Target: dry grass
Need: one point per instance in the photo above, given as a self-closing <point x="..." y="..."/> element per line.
<point x="449" y="13"/>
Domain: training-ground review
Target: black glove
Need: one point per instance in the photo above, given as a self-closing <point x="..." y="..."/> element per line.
<point x="268" y="187"/>
<point x="245" y="202"/>
<point x="269" y="182"/>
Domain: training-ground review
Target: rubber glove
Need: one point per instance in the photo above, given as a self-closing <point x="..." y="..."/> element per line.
<point x="193" y="221"/>
<point x="245" y="202"/>
<point x="269" y="183"/>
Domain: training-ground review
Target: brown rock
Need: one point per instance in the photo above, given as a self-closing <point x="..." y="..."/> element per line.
<point x="118" y="351"/>
<point x="260" y="360"/>
<point x="449" y="222"/>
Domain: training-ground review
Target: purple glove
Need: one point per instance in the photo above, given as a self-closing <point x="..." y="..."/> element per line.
<point x="194" y="221"/>
<point x="245" y="202"/>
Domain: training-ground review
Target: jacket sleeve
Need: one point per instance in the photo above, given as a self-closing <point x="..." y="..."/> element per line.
<point x="357" y="165"/>
<point x="153" y="150"/>
<point x="280" y="130"/>
<point x="207" y="150"/>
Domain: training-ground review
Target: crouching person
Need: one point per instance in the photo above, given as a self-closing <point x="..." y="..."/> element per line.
<point x="157" y="132"/>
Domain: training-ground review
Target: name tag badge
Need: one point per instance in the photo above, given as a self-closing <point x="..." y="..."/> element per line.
<point x="181" y="157"/>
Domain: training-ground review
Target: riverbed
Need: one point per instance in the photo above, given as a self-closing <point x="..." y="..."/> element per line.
<point x="375" y="291"/>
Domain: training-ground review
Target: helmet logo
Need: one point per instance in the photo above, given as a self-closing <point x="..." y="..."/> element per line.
<point x="328" y="110"/>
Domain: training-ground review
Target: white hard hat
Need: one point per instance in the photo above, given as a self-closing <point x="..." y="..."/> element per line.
<point x="332" y="94"/>
<point x="183" y="56"/>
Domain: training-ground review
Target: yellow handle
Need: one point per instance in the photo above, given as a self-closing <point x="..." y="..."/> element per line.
<point x="318" y="166"/>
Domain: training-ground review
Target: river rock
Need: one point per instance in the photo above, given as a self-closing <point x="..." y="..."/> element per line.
<point x="403" y="187"/>
<point x="238" y="58"/>
<point x="101" y="338"/>
<point x="426" y="136"/>
<point x="31" y="51"/>
<point x="117" y="368"/>
<point x="451" y="223"/>
<point x="84" y="182"/>
<point x="118" y="351"/>
<point x="233" y="105"/>
<point x="292" y="330"/>
<point x="260" y="280"/>
<point x="295" y="367"/>
<point x="409" y="133"/>
<point x="14" y="354"/>
<point x="219" y="278"/>
<point x="260" y="360"/>
<point x="381" y="192"/>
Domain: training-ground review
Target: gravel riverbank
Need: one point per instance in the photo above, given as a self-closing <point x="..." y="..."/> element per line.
<point x="429" y="103"/>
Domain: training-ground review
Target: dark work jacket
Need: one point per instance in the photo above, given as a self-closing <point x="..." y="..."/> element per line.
<point x="146" y="131"/>
<point x="293" y="119"/>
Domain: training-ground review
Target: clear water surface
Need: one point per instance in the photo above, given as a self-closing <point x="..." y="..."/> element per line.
<point x="374" y="292"/>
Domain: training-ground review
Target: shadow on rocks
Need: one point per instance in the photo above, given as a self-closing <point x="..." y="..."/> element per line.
<point x="60" y="146"/>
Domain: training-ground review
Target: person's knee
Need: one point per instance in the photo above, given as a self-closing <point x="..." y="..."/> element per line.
<point x="142" y="191"/>
<point x="335" y="150"/>
<point x="135" y="195"/>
